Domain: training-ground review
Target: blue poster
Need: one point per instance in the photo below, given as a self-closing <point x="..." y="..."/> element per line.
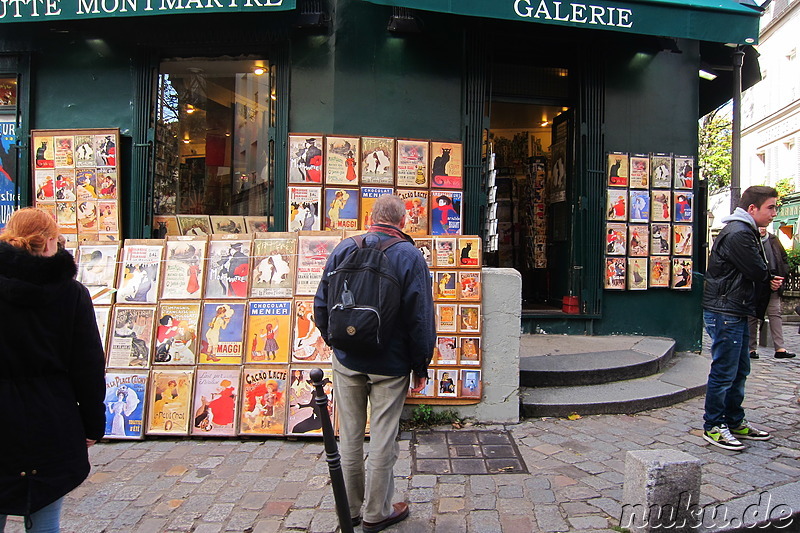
<point x="125" y="393"/>
<point x="8" y="169"/>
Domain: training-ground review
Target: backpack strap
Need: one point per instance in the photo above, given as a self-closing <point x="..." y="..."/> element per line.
<point x="382" y="245"/>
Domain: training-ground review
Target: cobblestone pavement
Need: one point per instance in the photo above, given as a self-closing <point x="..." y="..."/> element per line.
<point x="575" y="482"/>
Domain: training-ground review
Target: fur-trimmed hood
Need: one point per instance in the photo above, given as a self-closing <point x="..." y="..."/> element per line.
<point x="27" y="279"/>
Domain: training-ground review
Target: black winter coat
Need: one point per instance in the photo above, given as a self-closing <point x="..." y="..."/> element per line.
<point x="51" y="379"/>
<point x="737" y="271"/>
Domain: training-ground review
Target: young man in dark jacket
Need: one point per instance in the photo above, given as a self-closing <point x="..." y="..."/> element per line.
<point x="737" y="272"/>
<point x="382" y="378"/>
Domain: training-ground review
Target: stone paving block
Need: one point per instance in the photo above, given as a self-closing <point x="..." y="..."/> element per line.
<point x="548" y="518"/>
<point x="267" y="525"/>
<point x="420" y="495"/>
<point x="310" y="498"/>
<point x="450" y="505"/>
<point x="208" y="528"/>
<point x="254" y="500"/>
<point x="484" y="502"/>
<point x="542" y="496"/>
<point x="299" y="519"/>
<point x="517" y="524"/>
<point x="276" y="508"/>
<point x="451" y="524"/>
<point x="484" y="521"/>
<point x="151" y="525"/>
<point x="218" y="512"/>
<point x="423" y="481"/>
<point x="324" y="522"/>
<point x="241" y="520"/>
<point x="589" y="522"/>
<point x="448" y="490"/>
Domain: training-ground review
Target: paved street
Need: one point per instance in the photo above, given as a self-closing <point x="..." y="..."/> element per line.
<point x="575" y="481"/>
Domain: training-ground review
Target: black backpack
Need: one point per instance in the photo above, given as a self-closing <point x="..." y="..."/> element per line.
<point x="363" y="299"/>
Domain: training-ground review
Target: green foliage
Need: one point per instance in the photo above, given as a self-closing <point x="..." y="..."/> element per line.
<point x="424" y="416"/>
<point x="784" y="186"/>
<point x="794" y="257"/>
<point x="715" y="150"/>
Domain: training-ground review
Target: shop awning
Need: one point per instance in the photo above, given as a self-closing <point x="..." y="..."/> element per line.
<point x="55" y="10"/>
<point x="722" y="21"/>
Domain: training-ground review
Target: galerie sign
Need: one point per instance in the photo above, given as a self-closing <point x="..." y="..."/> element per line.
<point x="37" y="10"/>
<point x="575" y="13"/>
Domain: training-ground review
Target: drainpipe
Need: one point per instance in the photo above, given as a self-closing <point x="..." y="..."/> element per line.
<point x="736" y="134"/>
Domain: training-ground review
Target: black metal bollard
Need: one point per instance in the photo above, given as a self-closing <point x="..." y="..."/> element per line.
<point x="331" y="452"/>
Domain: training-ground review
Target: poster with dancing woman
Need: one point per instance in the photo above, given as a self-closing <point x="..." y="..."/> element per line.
<point x="125" y="399"/>
<point x="222" y="332"/>
<point x="184" y="267"/>
<point x="342" y="155"/>
<point x="377" y="161"/>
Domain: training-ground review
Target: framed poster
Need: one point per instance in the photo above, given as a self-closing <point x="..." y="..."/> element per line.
<point x="177" y="324"/>
<point x="445" y="351"/>
<point x="313" y="249"/>
<point x="639" y="241"/>
<point x="341" y="160"/>
<point x="445" y="252"/>
<point x="684" y="201"/>
<point x="194" y="225"/>
<point x="264" y="400"/>
<point x="304" y="203"/>
<point x="228" y="269"/>
<point x="469" y="285"/>
<point x="446" y="383"/>
<point x="445" y="285"/>
<point x="470" y="318"/>
<point x="447" y="165"/>
<point x="184" y="267"/>
<point x="416" y="202"/>
<point x="269" y="331"/>
<point x="639" y="171"/>
<point x="446" y="317"/>
<point x="617" y="205"/>
<point x="255" y="224"/>
<point x="169" y="401"/>
<point x="617" y="169"/>
<point x="639" y="206"/>
<point x="368" y="197"/>
<point x="341" y="209"/>
<point x="446" y="213"/>
<point x="302" y="419"/>
<point x="682" y="273"/>
<point x="616" y="238"/>
<point x="469" y="252"/>
<point x="308" y="345"/>
<point x="661" y="206"/>
<point x="274" y="265"/>
<point x="615" y="273"/>
<point x="660" y="239"/>
<point x="637" y="273"/>
<point x="684" y="172"/>
<point x="140" y="266"/>
<point x="661" y="170"/>
<point x="97" y="269"/>
<point x="412" y="163"/>
<point x="469" y="350"/>
<point x="305" y="158"/>
<point x="470" y="381"/>
<point x="164" y="226"/>
<point x="222" y="332"/>
<point x="377" y="161"/>
<point x="659" y="271"/>
<point x="226" y="224"/>
<point x="425" y="247"/>
<point x="131" y="337"/>
<point x="682" y="239"/>
<point x="125" y="399"/>
<point x="216" y="397"/>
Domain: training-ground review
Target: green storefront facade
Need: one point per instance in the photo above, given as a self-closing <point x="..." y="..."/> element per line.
<point x="618" y="76"/>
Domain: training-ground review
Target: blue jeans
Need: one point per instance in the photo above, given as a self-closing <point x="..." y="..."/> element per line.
<point x="45" y="520"/>
<point x="730" y="366"/>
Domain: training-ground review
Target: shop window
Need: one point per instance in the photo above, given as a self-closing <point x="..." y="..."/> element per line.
<point x="213" y="154"/>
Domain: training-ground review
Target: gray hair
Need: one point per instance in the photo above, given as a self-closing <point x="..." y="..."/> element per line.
<point x="389" y="209"/>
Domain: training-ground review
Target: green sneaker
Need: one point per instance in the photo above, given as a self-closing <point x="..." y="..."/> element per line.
<point x="721" y="437"/>
<point x="746" y="431"/>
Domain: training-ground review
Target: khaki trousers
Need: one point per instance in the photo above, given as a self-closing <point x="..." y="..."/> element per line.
<point x="372" y="487"/>
<point x="775" y="324"/>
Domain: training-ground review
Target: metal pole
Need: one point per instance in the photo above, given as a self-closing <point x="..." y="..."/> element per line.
<point x="331" y="453"/>
<point x="736" y="133"/>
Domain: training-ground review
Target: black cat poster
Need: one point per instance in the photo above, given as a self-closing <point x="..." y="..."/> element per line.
<point x="447" y="165"/>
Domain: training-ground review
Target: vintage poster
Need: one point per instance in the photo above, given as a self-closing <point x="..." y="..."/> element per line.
<point x="446" y="317"/>
<point x="682" y="239"/>
<point x="228" y="268"/>
<point x="184" y="267"/>
<point x="616" y="238"/>
<point x="194" y="225"/>
<point x="222" y="332"/>
<point x="43" y="151"/>
<point x="615" y="273"/>
<point x="65" y="216"/>
<point x="88" y="217"/>
<point x="425" y="246"/>
<point x="64" y="151"/>
<point x="469" y="349"/>
<point x="108" y="216"/>
<point x="447" y="165"/>
<point x="165" y="226"/>
<point x="9" y="197"/>
<point x="429" y="391"/>
<point x="125" y="398"/>
<point x="139" y="271"/>
<point x="639" y="243"/>
<point x="169" y="401"/>
<point x="84" y="151"/>
<point x="131" y="336"/>
<point x="308" y="345"/>
<point x="557" y="175"/>
<point x="304" y="205"/>
<point x="101" y="316"/>
<point x="617" y="205"/>
<point x="661" y="206"/>
<point x="661" y="170"/>
<point x="659" y="271"/>
<point x="305" y="159"/>
<point x="216" y="395"/>
<point x="445" y="251"/>
<point x="85" y="184"/>
<point x="227" y="225"/>
<point x="639" y="206"/>
<point x="469" y="285"/>
<point x="97" y="270"/>
<point x="446" y="213"/>
<point x="368" y="197"/>
<point x="313" y="249"/>
<point x="447" y="383"/>
<point x="107" y="184"/>
<point x="470" y="382"/>
<point x="264" y="399"/>
<point x="637" y="273"/>
<point x="105" y="150"/>
<point x="303" y="419"/>
<point x="341" y="209"/>
<point x="176" y="333"/>
<point x="681" y="273"/>
<point x="469" y="252"/>
<point x="445" y="351"/>
<point x="469" y="318"/>
<point x="341" y="160"/>
<point x="684" y="171"/>
<point x="377" y="161"/>
<point x="269" y="331"/>
<point x="256" y="224"/>
<point x="660" y="239"/>
<point x="65" y="185"/>
<point x="416" y="202"/>
<point x="617" y="169"/>
<point x="45" y="186"/>
<point x="445" y="285"/>
<point x="274" y="265"/>
<point x="412" y="163"/>
<point x="683" y="209"/>
<point x="639" y="171"/>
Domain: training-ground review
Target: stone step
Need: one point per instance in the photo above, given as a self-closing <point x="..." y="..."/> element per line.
<point x="631" y="358"/>
<point x="683" y="378"/>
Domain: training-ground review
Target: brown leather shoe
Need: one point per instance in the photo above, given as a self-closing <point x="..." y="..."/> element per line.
<point x="399" y="513"/>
